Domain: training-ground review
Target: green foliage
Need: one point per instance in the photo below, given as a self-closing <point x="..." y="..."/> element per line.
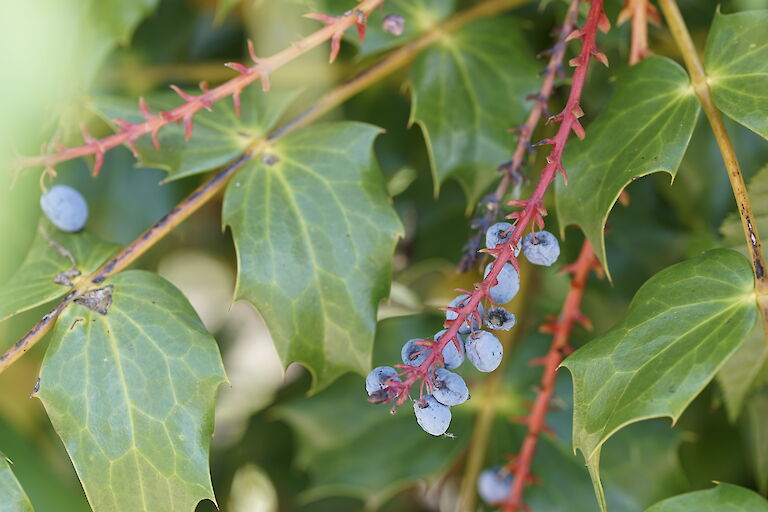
<point x="14" y="499"/>
<point x="131" y="394"/>
<point x="756" y="426"/>
<point x="723" y="498"/>
<point x="645" y="128"/>
<point x="53" y="253"/>
<point x="681" y="327"/>
<point x="733" y="235"/>
<point x="315" y="232"/>
<point x="736" y="60"/>
<point x="218" y="137"/>
<point x="466" y="92"/>
<point x="740" y="373"/>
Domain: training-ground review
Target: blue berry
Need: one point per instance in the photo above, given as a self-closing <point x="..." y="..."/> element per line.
<point x="541" y="248"/>
<point x="452" y="358"/>
<point x="494" y="485"/>
<point x="432" y="416"/>
<point x="410" y="352"/>
<point x="450" y="388"/>
<point x="65" y="207"/>
<point x="494" y="235"/>
<point x="499" y="319"/>
<point x="507" y="286"/>
<point x="459" y="302"/>
<point x="484" y="351"/>
<point x="375" y="381"/>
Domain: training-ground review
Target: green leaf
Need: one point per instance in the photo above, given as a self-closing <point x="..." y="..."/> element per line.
<point x="467" y="91"/>
<point x="13" y="498"/>
<point x="53" y="252"/>
<point x="681" y="327"/>
<point x="740" y="372"/>
<point x="315" y="233"/>
<point x="131" y="394"/>
<point x="723" y="498"/>
<point x="218" y="137"/>
<point x="733" y="235"/>
<point x="645" y="128"/>
<point x="736" y="61"/>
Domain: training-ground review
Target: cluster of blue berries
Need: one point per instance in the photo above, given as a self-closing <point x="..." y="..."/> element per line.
<point x="65" y="207"/>
<point x="483" y="349"/>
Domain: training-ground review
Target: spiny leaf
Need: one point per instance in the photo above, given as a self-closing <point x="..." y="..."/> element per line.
<point x="723" y="498"/>
<point x="69" y="256"/>
<point x="739" y="374"/>
<point x="645" y="128"/>
<point x="315" y="232"/>
<point x="736" y="61"/>
<point x="12" y="496"/>
<point x="681" y="327"/>
<point x="467" y="91"/>
<point x="131" y="394"/>
<point x="217" y="137"/>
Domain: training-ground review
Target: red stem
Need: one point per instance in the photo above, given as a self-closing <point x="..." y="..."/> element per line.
<point x="640" y="12"/>
<point x="533" y="210"/>
<point x="128" y="133"/>
<point x="526" y="130"/>
<point x="561" y="328"/>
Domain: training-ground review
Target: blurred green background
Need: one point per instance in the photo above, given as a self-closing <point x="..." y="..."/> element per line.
<point x="273" y="448"/>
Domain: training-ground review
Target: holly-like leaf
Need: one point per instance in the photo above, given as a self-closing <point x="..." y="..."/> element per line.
<point x="740" y="373"/>
<point x="12" y="496"/>
<point x="645" y="128"/>
<point x="723" y="498"/>
<point x="736" y="61"/>
<point x="54" y="259"/>
<point x="218" y="137"/>
<point x="681" y="327"/>
<point x="131" y="393"/>
<point x="315" y="233"/>
<point x="733" y="235"/>
<point x="466" y="92"/>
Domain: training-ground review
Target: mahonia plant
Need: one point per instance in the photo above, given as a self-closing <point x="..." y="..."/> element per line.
<point x="336" y="230"/>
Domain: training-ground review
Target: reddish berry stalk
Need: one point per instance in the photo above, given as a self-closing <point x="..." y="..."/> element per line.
<point x="532" y="213"/>
<point x="512" y="168"/>
<point x="561" y="328"/>
<point x="128" y="132"/>
<point x="640" y="12"/>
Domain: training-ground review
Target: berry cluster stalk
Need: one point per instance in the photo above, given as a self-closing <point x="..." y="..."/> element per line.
<point x="512" y="168"/>
<point x="532" y="212"/>
<point x="128" y="133"/>
<point x="560" y="328"/>
<point x="216" y="183"/>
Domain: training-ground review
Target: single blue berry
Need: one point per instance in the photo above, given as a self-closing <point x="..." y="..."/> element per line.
<point x="450" y="388"/>
<point x="507" y="285"/>
<point x="494" y="485"/>
<point x="494" y="235"/>
<point x="541" y="248"/>
<point x="484" y="351"/>
<point x="65" y="207"/>
<point x="499" y="319"/>
<point x="452" y="357"/>
<point x="413" y="353"/>
<point x="376" y="380"/>
<point x="432" y="416"/>
<point x="460" y="302"/>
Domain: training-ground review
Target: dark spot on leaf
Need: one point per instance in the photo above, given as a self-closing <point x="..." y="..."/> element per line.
<point x="97" y="300"/>
<point x="65" y="278"/>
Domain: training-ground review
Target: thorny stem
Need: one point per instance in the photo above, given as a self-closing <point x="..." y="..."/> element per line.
<point x="218" y="181"/>
<point x="525" y="132"/>
<point x="531" y="214"/>
<point x="561" y="328"/>
<point x="128" y="133"/>
<point x="701" y="87"/>
<point x="640" y="12"/>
